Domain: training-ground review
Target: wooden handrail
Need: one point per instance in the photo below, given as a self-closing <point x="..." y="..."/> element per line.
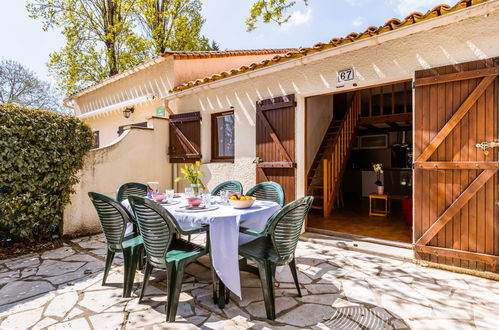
<point x="334" y="163"/>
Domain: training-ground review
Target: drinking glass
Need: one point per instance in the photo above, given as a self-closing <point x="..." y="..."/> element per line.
<point x="223" y="197"/>
<point x="207" y="200"/>
<point x="189" y="192"/>
<point x="170" y="193"/>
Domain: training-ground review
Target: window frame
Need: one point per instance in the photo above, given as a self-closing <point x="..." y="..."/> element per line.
<point x="214" y="137"/>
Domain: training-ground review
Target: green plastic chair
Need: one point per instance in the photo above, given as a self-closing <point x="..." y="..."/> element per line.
<point x="275" y="246"/>
<point x="165" y="249"/>
<point x="268" y="191"/>
<point x="232" y="185"/>
<point x="114" y="219"/>
<point x="131" y="188"/>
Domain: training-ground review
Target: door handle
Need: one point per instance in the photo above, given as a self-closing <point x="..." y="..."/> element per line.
<point x="487" y="145"/>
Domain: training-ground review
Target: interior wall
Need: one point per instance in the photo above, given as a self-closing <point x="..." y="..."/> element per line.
<point x="319" y="116"/>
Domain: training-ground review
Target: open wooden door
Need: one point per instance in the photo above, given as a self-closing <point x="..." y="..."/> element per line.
<point x="456" y="218"/>
<point x="275" y="143"/>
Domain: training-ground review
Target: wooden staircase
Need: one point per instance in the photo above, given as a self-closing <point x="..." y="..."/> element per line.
<point x="325" y="175"/>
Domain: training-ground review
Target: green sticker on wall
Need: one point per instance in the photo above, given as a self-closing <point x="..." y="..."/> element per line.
<point x="160" y="112"/>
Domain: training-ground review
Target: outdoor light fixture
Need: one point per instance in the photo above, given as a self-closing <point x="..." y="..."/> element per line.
<point x="128" y="111"/>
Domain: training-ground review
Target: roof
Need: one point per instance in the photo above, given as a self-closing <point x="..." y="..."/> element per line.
<point x="185" y="55"/>
<point x="181" y="55"/>
<point x="392" y="24"/>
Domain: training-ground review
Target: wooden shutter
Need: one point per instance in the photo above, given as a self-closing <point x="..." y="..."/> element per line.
<point x="275" y="143"/>
<point x="185" y="137"/>
<point x="455" y="183"/>
<point x="121" y="128"/>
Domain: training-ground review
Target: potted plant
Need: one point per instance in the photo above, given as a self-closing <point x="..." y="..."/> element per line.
<point x="191" y="174"/>
<point x="378" y="169"/>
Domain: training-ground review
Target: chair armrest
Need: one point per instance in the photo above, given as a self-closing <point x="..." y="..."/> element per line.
<point x="252" y="232"/>
<point x="194" y="230"/>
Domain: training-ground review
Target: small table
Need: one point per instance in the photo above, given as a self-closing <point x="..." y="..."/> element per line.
<point x="372" y="205"/>
<point x="224" y="234"/>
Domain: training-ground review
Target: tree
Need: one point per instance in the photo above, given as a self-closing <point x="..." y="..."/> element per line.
<point x="100" y="39"/>
<point x="173" y="24"/>
<point x="19" y="85"/>
<point x="104" y="37"/>
<point x="270" y="10"/>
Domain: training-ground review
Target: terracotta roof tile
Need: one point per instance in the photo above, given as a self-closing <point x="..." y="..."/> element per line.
<point x="185" y="55"/>
<point x="371" y="31"/>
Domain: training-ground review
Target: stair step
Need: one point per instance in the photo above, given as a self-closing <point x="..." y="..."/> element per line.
<point x="316" y="207"/>
<point x="318" y="197"/>
<point x="316" y="186"/>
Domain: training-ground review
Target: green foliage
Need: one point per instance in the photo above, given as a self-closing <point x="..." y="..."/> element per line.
<point x="104" y="38"/>
<point x="100" y="39"/>
<point x="40" y="154"/>
<point x="173" y="24"/>
<point x="270" y="10"/>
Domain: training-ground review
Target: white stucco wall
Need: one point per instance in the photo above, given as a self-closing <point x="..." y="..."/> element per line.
<point x="319" y="116"/>
<point x="139" y="156"/>
<point x="157" y="79"/>
<point x="107" y="123"/>
<point x="467" y="35"/>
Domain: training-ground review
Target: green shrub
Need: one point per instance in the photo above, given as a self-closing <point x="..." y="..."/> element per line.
<point x="40" y="154"/>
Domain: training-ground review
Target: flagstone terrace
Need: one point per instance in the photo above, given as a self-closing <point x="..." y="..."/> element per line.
<point x="342" y="289"/>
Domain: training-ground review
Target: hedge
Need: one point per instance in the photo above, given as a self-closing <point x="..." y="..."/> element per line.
<point x="40" y="154"/>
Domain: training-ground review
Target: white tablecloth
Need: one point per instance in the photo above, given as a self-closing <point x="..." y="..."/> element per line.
<point x="224" y="234"/>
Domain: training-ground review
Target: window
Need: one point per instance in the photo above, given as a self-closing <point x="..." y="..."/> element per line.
<point x="222" y="132"/>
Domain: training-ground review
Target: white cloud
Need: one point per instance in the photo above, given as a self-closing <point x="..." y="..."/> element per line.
<point x="405" y="7"/>
<point x="299" y="18"/>
<point x="358" y="22"/>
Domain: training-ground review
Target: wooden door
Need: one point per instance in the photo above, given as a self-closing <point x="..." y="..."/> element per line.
<point x="456" y="219"/>
<point x="275" y="143"/>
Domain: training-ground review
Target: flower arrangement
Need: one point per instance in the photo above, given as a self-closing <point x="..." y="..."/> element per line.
<point x="378" y="169"/>
<point x="191" y="174"/>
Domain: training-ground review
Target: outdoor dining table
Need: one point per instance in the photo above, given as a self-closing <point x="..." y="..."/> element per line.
<point x="224" y="222"/>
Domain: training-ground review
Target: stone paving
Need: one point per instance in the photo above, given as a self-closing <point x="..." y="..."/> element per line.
<point x="342" y="289"/>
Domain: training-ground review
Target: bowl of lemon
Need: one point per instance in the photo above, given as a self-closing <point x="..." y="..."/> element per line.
<point x="239" y="201"/>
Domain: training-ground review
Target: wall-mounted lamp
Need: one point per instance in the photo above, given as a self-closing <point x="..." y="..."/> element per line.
<point x="128" y="111"/>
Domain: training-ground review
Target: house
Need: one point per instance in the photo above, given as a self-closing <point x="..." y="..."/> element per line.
<point x="420" y="95"/>
<point x="140" y="91"/>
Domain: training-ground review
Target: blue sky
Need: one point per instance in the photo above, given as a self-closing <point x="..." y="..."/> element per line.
<point x="24" y="40"/>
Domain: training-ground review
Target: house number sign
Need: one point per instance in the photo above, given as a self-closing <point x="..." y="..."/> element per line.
<point x="346" y="75"/>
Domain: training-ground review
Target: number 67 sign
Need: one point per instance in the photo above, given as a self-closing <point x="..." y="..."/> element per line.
<point x="346" y="75"/>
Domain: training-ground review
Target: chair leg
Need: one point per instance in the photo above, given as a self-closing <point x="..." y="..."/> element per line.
<point x="147" y="274"/>
<point x="142" y="261"/>
<point x="267" y="279"/>
<point x="107" y="267"/>
<point x="292" y="267"/>
<point x="131" y="260"/>
<point x="174" y="290"/>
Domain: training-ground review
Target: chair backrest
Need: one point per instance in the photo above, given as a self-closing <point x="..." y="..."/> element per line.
<point x="131" y="188"/>
<point x="232" y="185"/>
<point x="268" y="191"/>
<point x="285" y="227"/>
<point x="157" y="227"/>
<point x="113" y="218"/>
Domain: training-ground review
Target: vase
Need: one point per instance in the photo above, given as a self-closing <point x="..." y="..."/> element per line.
<point x="380" y="190"/>
<point x="196" y="189"/>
